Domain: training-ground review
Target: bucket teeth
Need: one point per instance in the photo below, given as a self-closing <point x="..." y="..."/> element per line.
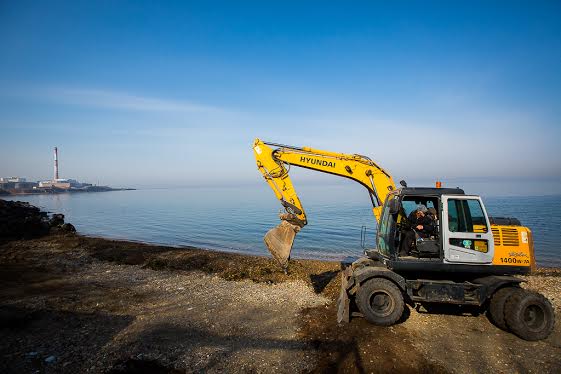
<point x="279" y="241"/>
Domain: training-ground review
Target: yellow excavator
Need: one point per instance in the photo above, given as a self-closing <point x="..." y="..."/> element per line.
<point x="468" y="259"/>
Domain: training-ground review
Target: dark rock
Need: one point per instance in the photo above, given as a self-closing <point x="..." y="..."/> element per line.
<point x="57" y="220"/>
<point x="20" y="220"/>
<point x="68" y="227"/>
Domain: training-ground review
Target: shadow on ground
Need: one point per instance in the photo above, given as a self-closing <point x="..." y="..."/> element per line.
<point x="74" y="340"/>
<point x="320" y="281"/>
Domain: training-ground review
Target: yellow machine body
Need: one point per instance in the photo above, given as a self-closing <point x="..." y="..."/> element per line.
<point x="514" y="246"/>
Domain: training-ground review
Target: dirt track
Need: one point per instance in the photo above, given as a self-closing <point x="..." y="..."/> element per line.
<point x="104" y="306"/>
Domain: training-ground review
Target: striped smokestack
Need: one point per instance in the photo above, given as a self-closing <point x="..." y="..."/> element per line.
<point x="56" y="163"/>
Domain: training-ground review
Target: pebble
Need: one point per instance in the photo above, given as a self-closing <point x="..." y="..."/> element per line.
<point x="50" y="359"/>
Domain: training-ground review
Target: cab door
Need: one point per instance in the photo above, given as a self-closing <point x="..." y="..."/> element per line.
<point x="467" y="236"/>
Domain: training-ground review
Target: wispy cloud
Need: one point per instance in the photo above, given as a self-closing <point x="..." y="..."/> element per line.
<point x="109" y="99"/>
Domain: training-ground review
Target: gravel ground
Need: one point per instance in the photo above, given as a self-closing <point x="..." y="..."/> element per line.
<point x="548" y="282"/>
<point x="75" y="304"/>
<point x="466" y="344"/>
<point x="182" y="320"/>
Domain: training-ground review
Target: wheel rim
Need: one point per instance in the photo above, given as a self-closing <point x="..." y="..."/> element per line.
<point x="381" y="303"/>
<point x="534" y="317"/>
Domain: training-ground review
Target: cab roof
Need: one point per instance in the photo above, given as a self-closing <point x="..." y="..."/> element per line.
<point x="432" y="191"/>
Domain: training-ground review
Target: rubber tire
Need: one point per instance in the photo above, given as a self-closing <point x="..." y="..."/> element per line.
<point x="515" y="309"/>
<point x="497" y="305"/>
<point x="390" y="292"/>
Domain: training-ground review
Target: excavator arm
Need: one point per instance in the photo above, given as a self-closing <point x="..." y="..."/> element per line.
<point x="274" y="161"/>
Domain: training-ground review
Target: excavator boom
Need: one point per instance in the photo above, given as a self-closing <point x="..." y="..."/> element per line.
<point x="274" y="160"/>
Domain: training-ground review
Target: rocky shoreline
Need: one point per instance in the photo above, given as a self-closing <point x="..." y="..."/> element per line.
<point x="70" y="303"/>
<point x="21" y="220"/>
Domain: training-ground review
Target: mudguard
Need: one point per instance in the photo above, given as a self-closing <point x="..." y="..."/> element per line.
<point x="494" y="282"/>
<point x="359" y="272"/>
<point x="364" y="273"/>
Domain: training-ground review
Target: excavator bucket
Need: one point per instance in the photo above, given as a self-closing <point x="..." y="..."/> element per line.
<point x="279" y="241"/>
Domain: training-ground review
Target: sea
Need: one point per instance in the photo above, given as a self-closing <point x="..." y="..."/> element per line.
<point x="235" y="219"/>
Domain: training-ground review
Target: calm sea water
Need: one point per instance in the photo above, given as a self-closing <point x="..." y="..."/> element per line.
<point x="235" y="219"/>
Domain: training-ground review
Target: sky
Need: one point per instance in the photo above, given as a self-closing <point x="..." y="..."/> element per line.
<point x="160" y="94"/>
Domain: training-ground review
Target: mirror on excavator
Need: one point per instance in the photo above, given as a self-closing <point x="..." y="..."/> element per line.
<point x="394" y="206"/>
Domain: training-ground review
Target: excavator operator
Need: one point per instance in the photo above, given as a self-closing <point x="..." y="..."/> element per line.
<point x="422" y="224"/>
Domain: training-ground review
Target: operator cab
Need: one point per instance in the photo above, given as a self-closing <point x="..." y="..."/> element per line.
<point x="462" y="231"/>
<point x="426" y="245"/>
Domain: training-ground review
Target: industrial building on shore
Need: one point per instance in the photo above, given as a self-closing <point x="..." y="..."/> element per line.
<point x="18" y="185"/>
<point x="15" y="183"/>
<point x="61" y="183"/>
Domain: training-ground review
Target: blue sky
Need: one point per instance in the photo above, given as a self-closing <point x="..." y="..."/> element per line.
<point x="173" y="93"/>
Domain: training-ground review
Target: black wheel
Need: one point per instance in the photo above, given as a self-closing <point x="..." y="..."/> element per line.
<point x="529" y="315"/>
<point x="497" y="305"/>
<point x="380" y="301"/>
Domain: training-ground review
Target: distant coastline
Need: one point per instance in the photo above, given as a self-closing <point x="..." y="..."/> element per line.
<point x="51" y="191"/>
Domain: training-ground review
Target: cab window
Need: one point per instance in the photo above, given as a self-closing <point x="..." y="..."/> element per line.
<point x="466" y="216"/>
<point x="384" y="230"/>
<point x="411" y="203"/>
